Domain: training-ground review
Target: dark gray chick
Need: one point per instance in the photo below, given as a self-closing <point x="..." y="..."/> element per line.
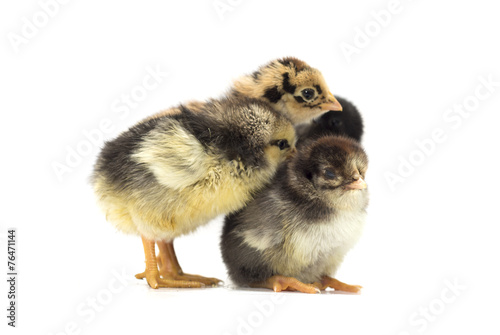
<point x="296" y="232"/>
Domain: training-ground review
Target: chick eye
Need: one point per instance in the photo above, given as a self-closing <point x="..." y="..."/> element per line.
<point x="329" y="174"/>
<point x="282" y="144"/>
<point x="308" y="93"/>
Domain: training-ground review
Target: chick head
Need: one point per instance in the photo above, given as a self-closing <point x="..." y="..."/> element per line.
<point x="250" y="131"/>
<point x="292" y="87"/>
<point x="336" y="167"/>
<point x="348" y="122"/>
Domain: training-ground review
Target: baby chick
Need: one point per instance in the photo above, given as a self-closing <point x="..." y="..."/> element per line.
<point x="289" y="86"/>
<point x="296" y="232"/>
<point x="348" y="122"/>
<point x="174" y="172"/>
<point x="292" y="87"/>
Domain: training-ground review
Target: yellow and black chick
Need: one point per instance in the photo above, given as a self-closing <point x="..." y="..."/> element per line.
<point x="348" y="123"/>
<point x="172" y="173"/>
<point x="296" y="232"/>
<point x="291" y="86"/>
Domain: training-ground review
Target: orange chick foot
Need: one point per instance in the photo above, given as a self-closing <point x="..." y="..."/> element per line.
<point x="337" y="285"/>
<point x="281" y="283"/>
<point x="207" y="281"/>
<point x="156" y="281"/>
<point x="175" y="272"/>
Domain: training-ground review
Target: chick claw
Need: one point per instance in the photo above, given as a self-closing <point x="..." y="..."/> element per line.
<point x="337" y="285"/>
<point x="281" y="283"/>
<point x="155" y="281"/>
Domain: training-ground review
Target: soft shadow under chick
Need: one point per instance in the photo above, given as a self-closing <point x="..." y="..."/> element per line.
<point x="296" y="232"/>
<point x="347" y="122"/>
<point x="172" y="173"/>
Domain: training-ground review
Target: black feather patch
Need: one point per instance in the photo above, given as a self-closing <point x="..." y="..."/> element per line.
<point x="256" y="75"/>
<point x="318" y="88"/>
<point x="286" y="84"/>
<point x="294" y="63"/>
<point x="289" y="63"/>
<point x="115" y="160"/>
<point x="299" y="99"/>
<point x="348" y="122"/>
<point x="233" y="138"/>
<point x="273" y="94"/>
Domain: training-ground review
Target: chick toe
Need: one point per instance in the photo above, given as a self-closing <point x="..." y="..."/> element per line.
<point x="157" y="280"/>
<point x="169" y="267"/>
<point x="281" y="283"/>
<point x="207" y="281"/>
<point x="152" y="274"/>
<point x="337" y="285"/>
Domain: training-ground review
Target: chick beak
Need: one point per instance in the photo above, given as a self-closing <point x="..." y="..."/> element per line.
<point x="358" y="184"/>
<point x="331" y="105"/>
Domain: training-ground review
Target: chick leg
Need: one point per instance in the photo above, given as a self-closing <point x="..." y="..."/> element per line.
<point x="170" y="268"/>
<point x="152" y="274"/>
<point x="281" y="283"/>
<point x="337" y="285"/>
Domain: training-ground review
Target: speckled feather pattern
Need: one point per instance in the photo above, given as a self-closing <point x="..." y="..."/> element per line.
<point x="279" y="83"/>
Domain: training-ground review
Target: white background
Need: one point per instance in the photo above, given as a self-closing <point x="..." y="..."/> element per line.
<point x="439" y="226"/>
